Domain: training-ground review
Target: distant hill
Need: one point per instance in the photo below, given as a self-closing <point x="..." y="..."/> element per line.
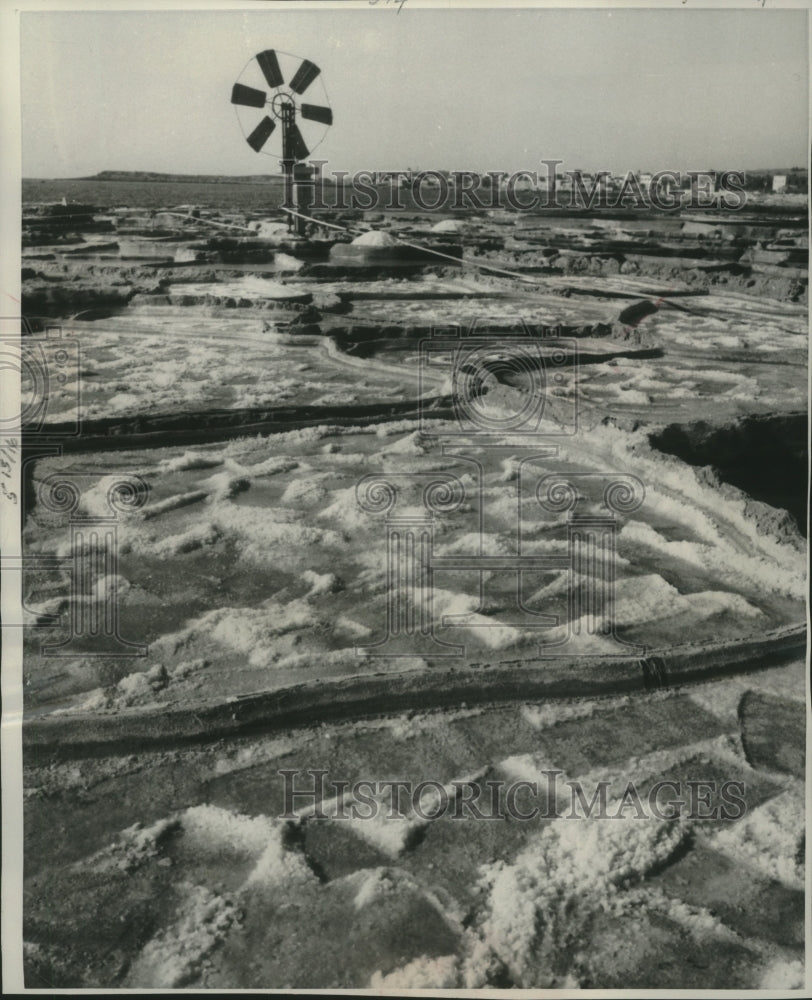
<point x="147" y="176"/>
<point x="125" y="189"/>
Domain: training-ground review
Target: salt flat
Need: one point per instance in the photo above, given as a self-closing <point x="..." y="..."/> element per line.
<point x="261" y="406"/>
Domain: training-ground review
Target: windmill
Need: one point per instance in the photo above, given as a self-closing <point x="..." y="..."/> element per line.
<point x="276" y="122"/>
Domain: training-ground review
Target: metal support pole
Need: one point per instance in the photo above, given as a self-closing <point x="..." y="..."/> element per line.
<point x="288" y="113"/>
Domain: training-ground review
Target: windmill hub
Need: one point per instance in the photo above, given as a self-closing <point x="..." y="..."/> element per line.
<point x="281" y="103"/>
<point x="264" y="95"/>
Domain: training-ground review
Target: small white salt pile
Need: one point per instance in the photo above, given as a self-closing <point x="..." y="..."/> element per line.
<point x="374" y="238"/>
<point x="447" y="226"/>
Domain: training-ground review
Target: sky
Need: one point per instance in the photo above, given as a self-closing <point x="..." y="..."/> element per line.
<point x="457" y="89"/>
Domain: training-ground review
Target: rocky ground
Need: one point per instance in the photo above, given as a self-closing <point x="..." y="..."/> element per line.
<point x="257" y="388"/>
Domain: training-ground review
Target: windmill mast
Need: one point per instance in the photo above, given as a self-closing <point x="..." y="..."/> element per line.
<point x="288" y="114"/>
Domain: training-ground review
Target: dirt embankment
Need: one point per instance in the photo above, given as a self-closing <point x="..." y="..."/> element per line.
<point x="765" y="456"/>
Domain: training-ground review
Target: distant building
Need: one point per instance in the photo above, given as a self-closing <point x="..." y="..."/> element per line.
<point x="779" y="182"/>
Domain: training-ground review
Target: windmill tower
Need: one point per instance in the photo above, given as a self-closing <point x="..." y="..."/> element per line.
<point x="288" y="129"/>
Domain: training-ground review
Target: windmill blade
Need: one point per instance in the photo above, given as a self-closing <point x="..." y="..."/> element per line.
<point x="257" y="139"/>
<point x="298" y="147"/>
<point x="247" y="96"/>
<point x="317" y="113"/>
<point x="304" y="76"/>
<point x="269" y="65"/>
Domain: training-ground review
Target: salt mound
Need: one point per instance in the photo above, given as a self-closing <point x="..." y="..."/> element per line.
<point x="447" y="226"/>
<point x="421" y="973"/>
<point x="284" y="262"/>
<point x="374" y="238"/>
<point x="768" y="838"/>
<point x="541" y="901"/>
<point x="269" y="230"/>
<point x="190" y="460"/>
